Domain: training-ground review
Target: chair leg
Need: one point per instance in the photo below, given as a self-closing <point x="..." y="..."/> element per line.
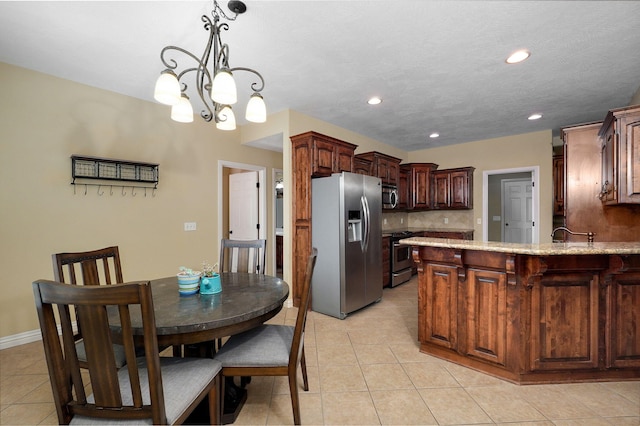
<point x="295" y="401"/>
<point x="303" y="367"/>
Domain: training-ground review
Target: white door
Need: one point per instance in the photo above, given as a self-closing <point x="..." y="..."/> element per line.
<point x="517" y="214"/>
<point x="244" y="223"/>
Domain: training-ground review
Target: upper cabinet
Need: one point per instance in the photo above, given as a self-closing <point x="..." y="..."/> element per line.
<point x="620" y="142"/>
<point x="386" y="167"/>
<point x="322" y="155"/>
<point x="417" y="190"/>
<point x="453" y="188"/>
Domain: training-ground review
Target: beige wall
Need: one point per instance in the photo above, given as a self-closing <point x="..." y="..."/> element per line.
<point x="44" y="121"/>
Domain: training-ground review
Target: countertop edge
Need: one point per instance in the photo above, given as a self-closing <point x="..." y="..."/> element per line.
<point x="544" y="249"/>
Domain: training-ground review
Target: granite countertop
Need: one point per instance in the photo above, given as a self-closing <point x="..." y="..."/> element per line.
<point x="547" y="249"/>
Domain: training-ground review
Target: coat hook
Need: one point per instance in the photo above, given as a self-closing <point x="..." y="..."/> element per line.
<point x="133" y="191"/>
<point x="100" y="193"/>
<point x="145" y="191"/>
<point x="111" y="190"/>
<point x="85" y="189"/>
<point x="153" y="194"/>
<point x="123" y="192"/>
<point x="74" y="188"/>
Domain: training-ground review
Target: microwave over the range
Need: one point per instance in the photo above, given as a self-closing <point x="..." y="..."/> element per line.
<point x="389" y="197"/>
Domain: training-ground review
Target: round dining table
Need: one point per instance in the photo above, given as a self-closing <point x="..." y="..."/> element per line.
<point x="245" y="302"/>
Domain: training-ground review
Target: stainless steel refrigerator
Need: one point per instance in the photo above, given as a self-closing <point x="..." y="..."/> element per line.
<point x="346" y="212"/>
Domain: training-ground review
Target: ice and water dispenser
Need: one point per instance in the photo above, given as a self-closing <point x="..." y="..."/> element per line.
<point x="354" y="228"/>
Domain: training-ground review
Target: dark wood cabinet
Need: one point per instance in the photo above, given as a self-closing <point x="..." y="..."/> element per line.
<point x="362" y="166"/>
<point x="558" y="185"/>
<point x="403" y="189"/>
<point x="531" y="318"/>
<point x="453" y="188"/>
<point x="620" y="143"/>
<point x="384" y="166"/>
<point x="313" y="155"/>
<point x="584" y="211"/>
<point x="386" y="261"/>
<point x="419" y="185"/>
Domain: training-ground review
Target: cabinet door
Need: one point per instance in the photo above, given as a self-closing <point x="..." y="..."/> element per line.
<point x="564" y="322"/>
<point x="438" y="311"/>
<point x="403" y="190"/>
<point x="393" y="172"/>
<point x="487" y="315"/>
<point x="558" y="185"/>
<point x="459" y="197"/>
<point x="361" y="166"/>
<point x="324" y="158"/>
<point x="440" y="190"/>
<point x="386" y="261"/>
<point x="421" y="187"/>
<point x="344" y="160"/>
<point x="630" y="160"/>
<point x="609" y="194"/>
<point x="623" y="320"/>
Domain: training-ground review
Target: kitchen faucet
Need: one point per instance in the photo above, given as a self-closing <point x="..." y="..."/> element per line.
<point x="589" y="235"/>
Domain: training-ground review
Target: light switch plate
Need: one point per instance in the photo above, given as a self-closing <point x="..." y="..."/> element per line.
<point x="189" y="226"/>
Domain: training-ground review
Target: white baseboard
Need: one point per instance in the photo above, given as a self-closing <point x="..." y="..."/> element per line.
<point x="20" y="339"/>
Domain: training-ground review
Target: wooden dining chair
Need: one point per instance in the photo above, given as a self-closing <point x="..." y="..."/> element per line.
<point x="95" y="267"/>
<point x="150" y="389"/>
<point x="243" y="256"/>
<point x="273" y="350"/>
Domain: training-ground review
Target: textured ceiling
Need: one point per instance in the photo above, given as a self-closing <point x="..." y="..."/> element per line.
<point x="438" y="65"/>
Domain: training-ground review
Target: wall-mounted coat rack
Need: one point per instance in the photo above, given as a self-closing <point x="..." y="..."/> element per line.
<point x="106" y="172"/>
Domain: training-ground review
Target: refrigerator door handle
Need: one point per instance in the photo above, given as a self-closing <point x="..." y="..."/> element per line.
<point x="366" y="213"/>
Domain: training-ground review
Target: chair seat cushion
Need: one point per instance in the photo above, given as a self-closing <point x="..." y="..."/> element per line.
<point x="183" y="379"/>
<point x="265" y="346"/>
<point x="118" y="353"/>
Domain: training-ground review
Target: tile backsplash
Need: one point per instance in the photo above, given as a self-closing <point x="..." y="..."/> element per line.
<point x="456" y="219"/>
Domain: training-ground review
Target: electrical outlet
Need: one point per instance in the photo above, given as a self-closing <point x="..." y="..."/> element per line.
<point x="479" y="221"/>
<point x="384" y="220"/>
<point x="401" y="221"/>
<point x="446" y="220"/>
<point x="189" y="226"/>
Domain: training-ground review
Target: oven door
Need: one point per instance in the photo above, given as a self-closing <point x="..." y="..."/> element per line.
<point x="401" y="257"/>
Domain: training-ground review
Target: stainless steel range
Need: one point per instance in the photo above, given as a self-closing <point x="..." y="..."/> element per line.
<point x="401" y="261"/>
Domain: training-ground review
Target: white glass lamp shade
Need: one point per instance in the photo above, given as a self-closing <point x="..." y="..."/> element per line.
<point x="167" y="90"/>
<point x="223" y="88"/>
<point x="256" y="109"/>
<point x="227" y="120"/>
<point x="182" y="111"/>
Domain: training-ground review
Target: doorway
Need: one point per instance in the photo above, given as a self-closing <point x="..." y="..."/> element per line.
<point x="278" y="215"/>
<point x="257" y="200"/>
<point x="516" y="211"/>
<point x="494" y="204"/>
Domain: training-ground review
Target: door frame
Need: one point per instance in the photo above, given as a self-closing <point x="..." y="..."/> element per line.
<point x="535" y="202"/>
<point x="262" y="210"/>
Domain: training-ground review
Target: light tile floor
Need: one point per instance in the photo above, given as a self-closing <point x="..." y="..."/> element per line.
<point x="367" y="370"/>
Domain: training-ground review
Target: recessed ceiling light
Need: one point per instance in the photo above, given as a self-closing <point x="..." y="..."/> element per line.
<point x="434" y="135"/>
<point x="535" y="116"/>
<point x="374" y="101"/>
<point x="518" y="56"/>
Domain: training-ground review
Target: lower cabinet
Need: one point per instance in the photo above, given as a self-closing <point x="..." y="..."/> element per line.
<point x="531" y="319"/>
<point x="386" y="261"/>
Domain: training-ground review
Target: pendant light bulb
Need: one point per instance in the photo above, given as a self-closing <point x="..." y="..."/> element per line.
<point x="256" y="109"/>
<point x="167" y="90"/>
<point x="227" y="120"/>
<point x="223" y="88"/>
<point x="182" y="111"/>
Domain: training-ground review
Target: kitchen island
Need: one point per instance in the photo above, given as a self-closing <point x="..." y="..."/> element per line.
<point x="531" y="313"/>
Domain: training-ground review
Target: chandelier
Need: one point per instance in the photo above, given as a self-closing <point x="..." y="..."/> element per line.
<point x="217" y="94"/>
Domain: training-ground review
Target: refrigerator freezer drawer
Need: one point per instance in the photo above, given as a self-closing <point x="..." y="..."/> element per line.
<point x="400" y="277"/>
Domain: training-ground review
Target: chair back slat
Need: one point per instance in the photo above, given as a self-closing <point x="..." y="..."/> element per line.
<point x="297" y="344"/>
<point x="243" y="256"/>
<point x="93" y="303"/>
